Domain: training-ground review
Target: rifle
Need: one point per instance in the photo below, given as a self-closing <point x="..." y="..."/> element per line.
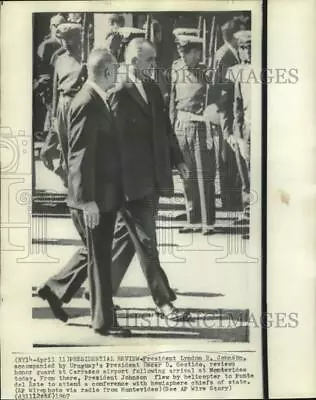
<point x="211" y="57"/>
<point x="203" y="33"/>
<point x="86" y="44"/>
<point x="149" y="35"/>
<point x="200" y="24"/>
<point x="85" y="39"/>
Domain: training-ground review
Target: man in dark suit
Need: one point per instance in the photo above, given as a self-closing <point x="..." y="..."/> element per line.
<point x="95" y="183"/>
<point x="148" y="150"/>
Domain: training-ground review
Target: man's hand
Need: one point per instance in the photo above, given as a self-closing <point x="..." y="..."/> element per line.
<point x="54" y="125"/>
<point x="91" y="214"/>
<point x="184" y="170"/>
<point x="232" y="141"/>
<point x="243" y="148"/>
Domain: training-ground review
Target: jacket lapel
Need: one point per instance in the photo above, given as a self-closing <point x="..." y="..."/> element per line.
<point x="100" y="104"/>
<point x="134" y="93"/>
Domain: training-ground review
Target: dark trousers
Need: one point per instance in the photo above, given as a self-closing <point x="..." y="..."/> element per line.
<point x="134" y="231"/>
<point x="98" y="243"/>
<point x="230" y="184"/>
<point x="197" y="146"/>
<point x="243" y="164"/>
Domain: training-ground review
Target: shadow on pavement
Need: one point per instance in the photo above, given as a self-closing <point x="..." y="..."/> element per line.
<point x="134" y="291"/>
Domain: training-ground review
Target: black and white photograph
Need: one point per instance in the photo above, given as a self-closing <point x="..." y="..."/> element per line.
<point x="141" y="177"/>
<point x="157" y="199"/>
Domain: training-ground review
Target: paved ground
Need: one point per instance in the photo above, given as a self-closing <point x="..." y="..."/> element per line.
<point x="211" y="276"/>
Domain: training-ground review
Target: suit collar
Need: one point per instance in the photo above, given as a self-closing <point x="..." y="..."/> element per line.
<point x="99" y="101"/>
<point x="134" y="93"/>
<point x="99" y="91"/>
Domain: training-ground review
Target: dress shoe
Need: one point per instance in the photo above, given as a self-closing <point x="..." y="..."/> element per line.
<point x="245" y="236"/>
<point x="208" y="231"/>
<point x="242" y="221"/>
<point x="173" y="314"/>
<point x="115" y="330"/>
<point x="54" y="303"/>
<point x="181" y="217"/>
<point x="189" y="229"/>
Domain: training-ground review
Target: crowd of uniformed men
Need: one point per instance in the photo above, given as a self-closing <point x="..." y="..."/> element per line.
<point x="118" y="125"/>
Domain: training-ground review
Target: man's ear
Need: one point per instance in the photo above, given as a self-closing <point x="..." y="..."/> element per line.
<point x="134" y="61"/>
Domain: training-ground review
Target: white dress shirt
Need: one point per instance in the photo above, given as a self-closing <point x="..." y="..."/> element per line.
<point x="138" y="83"/>
<point x="100" y="92"/>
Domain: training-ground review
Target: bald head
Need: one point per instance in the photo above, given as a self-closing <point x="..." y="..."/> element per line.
<point x="141" y="54"/>
<point x="102" y="67"/>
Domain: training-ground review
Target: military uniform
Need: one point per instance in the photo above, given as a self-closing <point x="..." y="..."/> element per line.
<point x="241" y="76"/>
<point x="46" y="72"/>
<point x="46" y="52"/>
<point x="187" y="104"/>
<point x="69" y="77"/>
<point x="114" y="42"/>
<point x="48" y="47"/>
<point x="226" y="57"/>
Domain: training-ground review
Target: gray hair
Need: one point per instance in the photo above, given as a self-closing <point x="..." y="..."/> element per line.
<point x="135" y="47"/>
<point x="98" y="61"/>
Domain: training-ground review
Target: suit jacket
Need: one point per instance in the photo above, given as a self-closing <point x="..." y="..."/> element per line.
<point x="93" y="158"/>
<point x="139" y="122"/>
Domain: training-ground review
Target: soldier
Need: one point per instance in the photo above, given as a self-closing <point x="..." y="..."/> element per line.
<point x="114" y="38"/>
<point x="222" y="94"/>
<point x="240" y="139"/>
<point x="159" y="73"/>
<point x="75" y="18"/>
<point x="187" y="103"/>
<point x="45" y="72"/>
<point x="68" y="79"/>
<point x="50" y="44"/>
